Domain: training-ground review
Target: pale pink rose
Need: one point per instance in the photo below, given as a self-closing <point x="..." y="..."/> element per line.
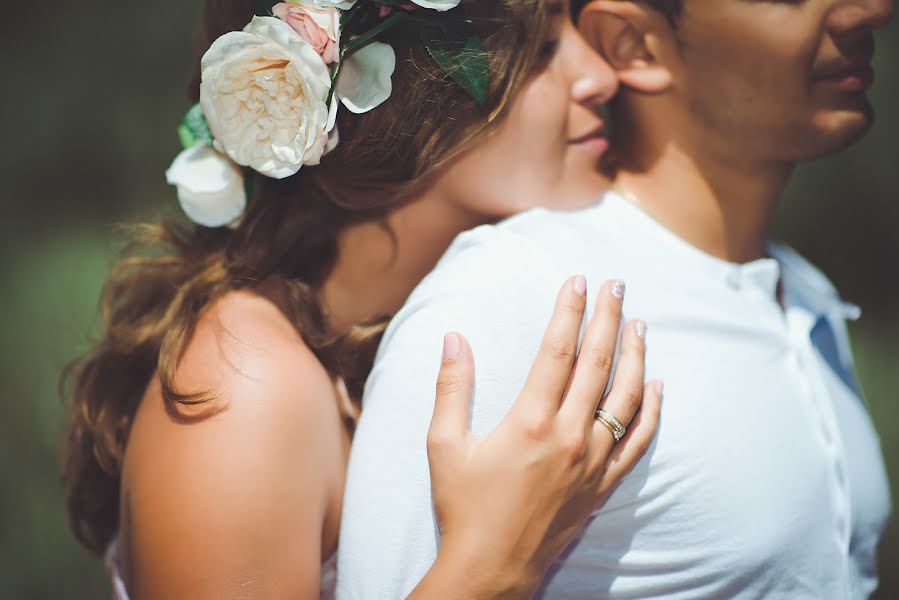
<point x="320" y="27"/>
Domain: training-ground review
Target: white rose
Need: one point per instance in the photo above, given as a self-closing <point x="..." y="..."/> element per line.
<point x="264" y="93"/>
<point x="210" y="187"/>
<point x="440" y="5"/>
<point x="333" y="136"/>
<point x="364" y="81"/>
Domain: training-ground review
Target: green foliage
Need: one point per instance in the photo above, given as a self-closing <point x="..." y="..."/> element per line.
<point x="456" y="46"/>
<point x="466" y="62"/>
<point x="194" y="128"/>
<point x="450" y="39"/>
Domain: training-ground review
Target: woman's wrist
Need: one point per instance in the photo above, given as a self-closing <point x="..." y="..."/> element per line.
<point x="462" y="571"/>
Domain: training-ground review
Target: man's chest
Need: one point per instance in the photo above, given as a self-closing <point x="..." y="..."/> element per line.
<point x="762" y="465"/>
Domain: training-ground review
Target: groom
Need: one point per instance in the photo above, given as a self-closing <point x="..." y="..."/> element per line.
<point x="766" y="478"/>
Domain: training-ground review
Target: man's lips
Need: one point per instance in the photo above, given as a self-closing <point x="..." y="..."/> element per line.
<point x="850" y="77"/>
<point x="838" y="69"/>
<point x="852" y="71"/>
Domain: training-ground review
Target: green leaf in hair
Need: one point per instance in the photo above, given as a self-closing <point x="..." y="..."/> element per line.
<point x="465" y="62"/>
<point x="194" y="128"/>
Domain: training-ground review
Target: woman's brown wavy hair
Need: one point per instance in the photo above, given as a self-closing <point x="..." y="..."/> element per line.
<point x="173" y="270"/>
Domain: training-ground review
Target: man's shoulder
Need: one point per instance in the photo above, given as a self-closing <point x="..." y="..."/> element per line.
<point x="504" y="277"/>
<point x="489" y="274"/>
<point x="535" y="245"/>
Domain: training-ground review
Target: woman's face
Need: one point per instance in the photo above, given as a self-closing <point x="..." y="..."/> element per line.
<point x="546" y="152"/>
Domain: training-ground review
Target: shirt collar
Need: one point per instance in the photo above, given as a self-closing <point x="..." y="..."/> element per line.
<point x="803" y="283"/>
<point x="806" y="285"/>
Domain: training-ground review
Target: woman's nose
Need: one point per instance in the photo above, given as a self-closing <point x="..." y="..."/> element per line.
<point x="595" y="82"/>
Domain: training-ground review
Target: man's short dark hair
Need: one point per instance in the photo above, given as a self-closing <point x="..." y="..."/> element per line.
<point x="670" y="8"/>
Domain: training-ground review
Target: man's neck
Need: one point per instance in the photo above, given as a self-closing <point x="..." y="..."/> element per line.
<point x="723" y="208"/>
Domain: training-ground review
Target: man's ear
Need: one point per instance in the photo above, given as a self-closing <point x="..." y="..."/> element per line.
<point x="635" y="40"/>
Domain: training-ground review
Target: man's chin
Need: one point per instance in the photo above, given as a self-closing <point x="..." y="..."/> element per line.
<point x="840" y="129"/>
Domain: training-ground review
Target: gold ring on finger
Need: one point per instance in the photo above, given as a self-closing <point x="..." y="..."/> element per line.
<point x="612" y="424"/>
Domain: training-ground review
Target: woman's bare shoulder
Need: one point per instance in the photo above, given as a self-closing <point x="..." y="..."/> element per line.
<point x="238" y="487"/>
<point x="246" y="360"/>
<point x="244" y="343"/>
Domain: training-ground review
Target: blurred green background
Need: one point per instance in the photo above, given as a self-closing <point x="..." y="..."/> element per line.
<point x="92" y="92"/>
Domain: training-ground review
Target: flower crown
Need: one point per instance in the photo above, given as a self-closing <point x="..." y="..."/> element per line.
<point x="269" y="94"/>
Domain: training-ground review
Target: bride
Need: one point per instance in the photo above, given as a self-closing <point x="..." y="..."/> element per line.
<point x="337" y="149"/>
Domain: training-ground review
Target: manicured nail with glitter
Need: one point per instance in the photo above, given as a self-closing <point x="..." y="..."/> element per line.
<point x="580" y="285"/>
<point x="640" y="328"/>
<point x="452" y="346"/>
<point x="660" y="388"/>
<point x="618" y="289"/>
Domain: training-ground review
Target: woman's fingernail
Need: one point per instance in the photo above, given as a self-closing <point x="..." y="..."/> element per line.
<point x="580" y="285"/>
<point x="660" y="388"/>
<point x="451" y="346"/>
<point x="618" y="289"/>
<point x="640" y="328"/>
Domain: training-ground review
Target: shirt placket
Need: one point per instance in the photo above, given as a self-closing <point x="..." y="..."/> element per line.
<point x="796" y="324"/>
<point x="809" y="374"/>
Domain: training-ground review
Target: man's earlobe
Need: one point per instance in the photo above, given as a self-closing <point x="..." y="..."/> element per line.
<point x="630" y="37"/>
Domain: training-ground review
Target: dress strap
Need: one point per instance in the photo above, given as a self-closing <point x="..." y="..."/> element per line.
<point x="349" y="410"/>
<point x="114" y="571"/>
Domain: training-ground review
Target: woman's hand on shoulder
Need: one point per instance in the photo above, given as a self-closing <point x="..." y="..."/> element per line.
<point x="508" y="504"/>
<point x="230" y="499"/>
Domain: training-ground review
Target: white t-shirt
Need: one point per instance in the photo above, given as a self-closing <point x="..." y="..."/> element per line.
<point x="766" y="477"/>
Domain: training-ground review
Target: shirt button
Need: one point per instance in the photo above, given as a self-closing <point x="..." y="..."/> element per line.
<point x="841" y="524"/>
<point x="840" y="477"/>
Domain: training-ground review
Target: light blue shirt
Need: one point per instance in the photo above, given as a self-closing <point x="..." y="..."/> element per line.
<point x="766" y="478"/>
